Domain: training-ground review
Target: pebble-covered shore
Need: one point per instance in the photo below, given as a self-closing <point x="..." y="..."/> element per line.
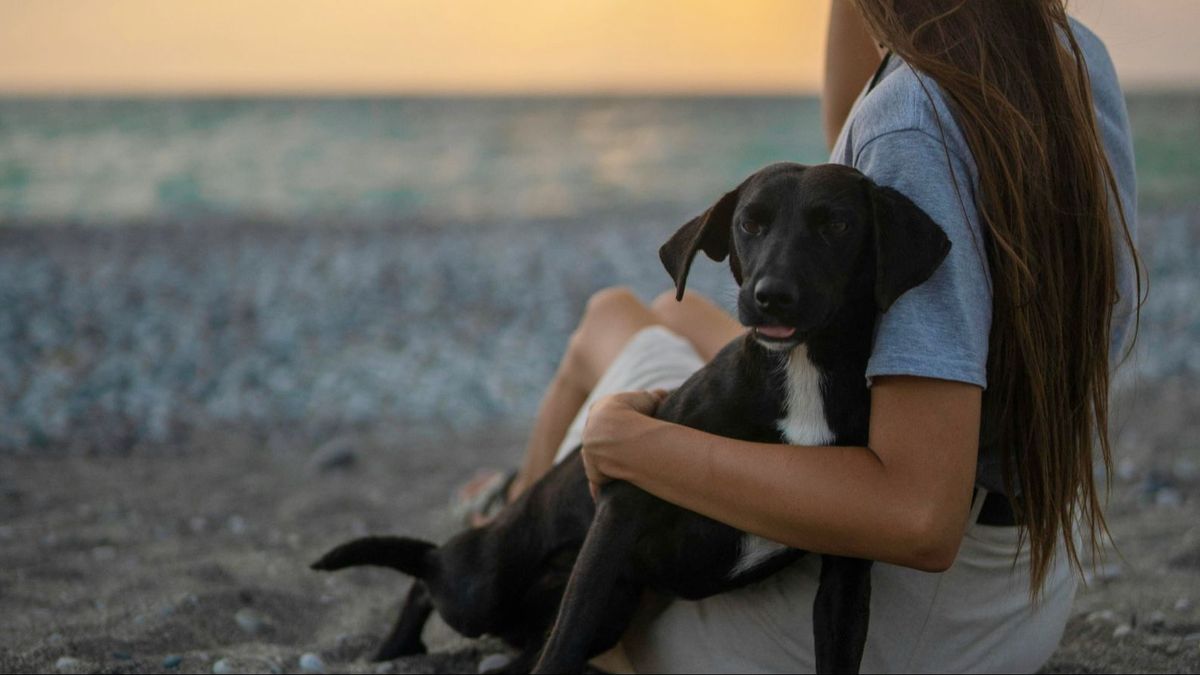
<point x="117" y="338"/>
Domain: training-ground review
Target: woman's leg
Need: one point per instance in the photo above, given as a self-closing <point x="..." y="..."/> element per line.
<point x="611" y="317"/>
<point x="700" y="320"/>
<point x="975" y="617"/>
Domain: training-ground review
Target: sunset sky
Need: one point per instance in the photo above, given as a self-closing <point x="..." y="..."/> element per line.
<point x="484" y="46"/>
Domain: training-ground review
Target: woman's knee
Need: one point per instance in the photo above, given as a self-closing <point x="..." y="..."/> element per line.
<point x="669" y="309"/>
<point x="611" y="317"/>
<point x="698" y="319"/>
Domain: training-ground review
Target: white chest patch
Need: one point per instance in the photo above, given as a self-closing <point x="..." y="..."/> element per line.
<point x="803" y="422"/>
<point x="755" y="550"/>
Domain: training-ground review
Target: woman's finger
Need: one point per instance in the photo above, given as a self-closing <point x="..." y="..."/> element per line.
<point x="644" y="402"/>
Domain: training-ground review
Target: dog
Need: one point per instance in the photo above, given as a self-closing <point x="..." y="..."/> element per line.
<point x="817" y="253"/>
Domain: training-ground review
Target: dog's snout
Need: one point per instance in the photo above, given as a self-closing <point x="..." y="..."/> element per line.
<point x="775" y="294"/>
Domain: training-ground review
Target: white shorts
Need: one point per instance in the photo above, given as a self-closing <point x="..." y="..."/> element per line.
<point x="975" y="617"/>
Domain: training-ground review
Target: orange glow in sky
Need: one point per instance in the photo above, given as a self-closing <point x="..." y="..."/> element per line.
<point x="479" y="46"/>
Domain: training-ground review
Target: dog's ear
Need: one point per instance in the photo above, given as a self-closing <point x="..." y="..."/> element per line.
<point x="710" y="232"/>
<point x="909" y="246"/>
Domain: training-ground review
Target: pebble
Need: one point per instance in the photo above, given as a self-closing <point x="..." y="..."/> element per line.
<point x="493" y="662"/>
<point x="250" y="621"/>
<point x="311" y="663"/>
<point x="172" y="661"/>
<point x="104" y="553"/>
<point x="1183" y="604"/>
<point x="1127" y="470"/>
<point x="67" y="664"/>
<point x="122" y="656"/>
<point x="335" y="454"/>
<point x="1157" y="619"/>
<point x="1168" y="498"/>
<point x="1122" y="630"/>
<point x="1186" y="469"/>
<point x="236" y="524"/>
<point x="1111" y="571"/>
<point x="223" y="667"/>
<point x="197" y="524"/>
<point x="1105" y="615"/>
<point x="1154" y="482"/>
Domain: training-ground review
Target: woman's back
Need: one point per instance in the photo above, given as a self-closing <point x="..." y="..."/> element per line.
<point x="902" y="134"/>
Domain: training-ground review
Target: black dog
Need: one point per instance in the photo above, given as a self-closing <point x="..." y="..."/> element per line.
<point x="817" y="252"/>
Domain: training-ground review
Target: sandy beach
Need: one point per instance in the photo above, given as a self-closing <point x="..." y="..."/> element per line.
<point x="196" y="561"/>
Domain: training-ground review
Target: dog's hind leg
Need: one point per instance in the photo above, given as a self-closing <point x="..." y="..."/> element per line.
<point x="405" y="637"/>
<point x="841" y="613"/>
<point x="600" y="599"/>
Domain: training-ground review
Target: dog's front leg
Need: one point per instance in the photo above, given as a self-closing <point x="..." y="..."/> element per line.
<point x="841" y="613"/>
<point x="600" y="598"/>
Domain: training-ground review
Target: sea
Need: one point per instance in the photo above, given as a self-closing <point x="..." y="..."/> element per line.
<point x="311" y="266"/>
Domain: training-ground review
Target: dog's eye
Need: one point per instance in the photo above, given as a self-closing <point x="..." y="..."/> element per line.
<point x="751" y="227"/>
<point x="836" y="227"/>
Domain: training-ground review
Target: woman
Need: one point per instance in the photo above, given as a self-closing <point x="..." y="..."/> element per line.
<point x="1004" y="121"/>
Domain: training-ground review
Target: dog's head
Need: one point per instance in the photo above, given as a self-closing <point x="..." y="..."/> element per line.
<point x="803" y="242"/>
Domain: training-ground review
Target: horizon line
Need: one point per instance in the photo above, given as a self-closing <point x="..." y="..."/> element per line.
<point x="435" y="93"/>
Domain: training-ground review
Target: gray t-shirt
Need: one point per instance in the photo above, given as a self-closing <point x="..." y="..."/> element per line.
<point x="902" y="135"/>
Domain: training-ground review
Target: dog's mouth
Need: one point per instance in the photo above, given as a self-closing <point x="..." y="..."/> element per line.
<point x="775" y="332"/>
<point x="777" y="337"/>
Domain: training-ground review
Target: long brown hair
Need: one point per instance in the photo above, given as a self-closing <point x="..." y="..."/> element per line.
<point x="1015" y="79"/>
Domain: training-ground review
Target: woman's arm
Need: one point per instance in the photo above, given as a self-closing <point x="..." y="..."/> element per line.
<point x="904" y="499"/>
<point x="851" y="56"/>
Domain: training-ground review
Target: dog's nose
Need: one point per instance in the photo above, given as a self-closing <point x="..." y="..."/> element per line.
<point x="774" y="294"/>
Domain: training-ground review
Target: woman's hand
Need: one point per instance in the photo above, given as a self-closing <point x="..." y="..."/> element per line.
<point x="614" y="426"/>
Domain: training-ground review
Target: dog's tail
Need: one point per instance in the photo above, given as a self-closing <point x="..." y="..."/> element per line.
<point x="411" y="556"/>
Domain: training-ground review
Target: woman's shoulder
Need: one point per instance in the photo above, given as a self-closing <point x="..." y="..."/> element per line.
<point x="902" y="100"/>
<point x="1100" y="65"/>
